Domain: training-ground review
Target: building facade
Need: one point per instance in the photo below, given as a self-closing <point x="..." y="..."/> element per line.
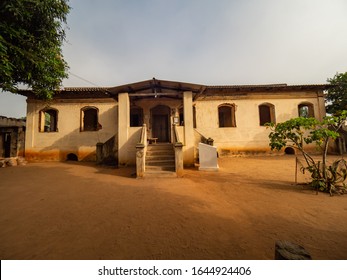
<point x="77" y="120"/>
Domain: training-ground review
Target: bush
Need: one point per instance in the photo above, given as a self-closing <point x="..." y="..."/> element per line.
<point x="298" y="132"/>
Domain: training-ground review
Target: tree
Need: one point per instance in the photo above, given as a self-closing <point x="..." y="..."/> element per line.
<point x="336" y="96"/>
<point x="298" y="132"/>
<point x="31" y="37"/>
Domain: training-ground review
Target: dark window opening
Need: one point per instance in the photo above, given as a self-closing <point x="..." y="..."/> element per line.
<point x="50" y="120"/>
<point x="194" y="117"/>
<point x="181" y="116"/>
<point x="306" y="110"/>
<point x="90" y="119"/>
<point x="136" y="117"/>
<point x="266" y="114"/>
<point x="226" y="116"/>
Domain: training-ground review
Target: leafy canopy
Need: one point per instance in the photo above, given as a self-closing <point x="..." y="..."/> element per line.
<point x="337" y="94"/>
<point x="31" y="37"/>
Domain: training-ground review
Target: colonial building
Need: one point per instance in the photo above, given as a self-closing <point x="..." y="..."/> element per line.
<point x="124" y="123"/>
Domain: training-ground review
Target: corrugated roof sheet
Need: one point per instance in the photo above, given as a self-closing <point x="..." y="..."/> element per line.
<point x="85" y="89"/>
<point x="268" y="86"/>
<point x="164" y="85"/>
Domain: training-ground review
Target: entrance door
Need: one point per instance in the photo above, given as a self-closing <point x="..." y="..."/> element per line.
<point x="7" y="144"/>
<point x="160" y="128"/>
<point x="160" y="123"/>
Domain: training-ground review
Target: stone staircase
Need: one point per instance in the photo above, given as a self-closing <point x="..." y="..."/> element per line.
<point x="160" y="160"/>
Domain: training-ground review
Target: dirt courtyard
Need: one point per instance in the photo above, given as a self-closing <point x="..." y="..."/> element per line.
<point x="84" y="211"/>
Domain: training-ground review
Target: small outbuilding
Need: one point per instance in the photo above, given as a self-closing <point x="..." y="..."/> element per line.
<point x="12" y="137"/>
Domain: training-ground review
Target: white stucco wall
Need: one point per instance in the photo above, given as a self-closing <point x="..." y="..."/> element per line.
<point x="68" y="138"/>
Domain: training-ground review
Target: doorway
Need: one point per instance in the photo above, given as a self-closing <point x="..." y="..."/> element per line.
<point x="7" y="145"/>
<point x="160" y="116"/>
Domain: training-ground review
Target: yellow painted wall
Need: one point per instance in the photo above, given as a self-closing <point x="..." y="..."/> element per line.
<point x="248" y="136"/>
<point x="68" y="139"/>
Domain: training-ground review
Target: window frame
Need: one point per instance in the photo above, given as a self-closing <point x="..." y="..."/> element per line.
<point x="310" y="107"/>
<point x="232" y="108"/>
<point x="96" y="126"/>
<point x="272" y="113"/>
<point x="42" y="120"/>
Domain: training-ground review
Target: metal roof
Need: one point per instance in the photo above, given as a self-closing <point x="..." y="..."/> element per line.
<point x="170" y="88"/>
<point x="271" y="86"/>
<point x="84" y="89"/>
<point x="156" y="86"/>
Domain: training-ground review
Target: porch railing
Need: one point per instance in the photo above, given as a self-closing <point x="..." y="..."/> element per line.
<point x="141" y="149"/>
<point x="107" y="153"/>
<point x="178" y="146"/>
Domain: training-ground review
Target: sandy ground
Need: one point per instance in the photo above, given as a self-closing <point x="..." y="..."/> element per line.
<point x="82" y="211"/>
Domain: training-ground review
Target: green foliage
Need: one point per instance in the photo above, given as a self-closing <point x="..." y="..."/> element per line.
<point x="297" y="132"/>
<point x="335" y="176"/>
<point x="291" y="133"/>
<point x="336" y="96"/>
<point x="31" y="36"/>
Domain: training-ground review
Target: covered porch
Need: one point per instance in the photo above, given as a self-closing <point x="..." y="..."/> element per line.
<point x="155" y="112"/>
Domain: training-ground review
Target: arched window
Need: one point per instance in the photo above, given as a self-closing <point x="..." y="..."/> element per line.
<point x="226" y="115"/>
<point x="306" y="110"/>
<point x="136" y="116"/>
<point x="48" y="121"/>
<point x="266" y="113"/>
<point x="89" y="116"/>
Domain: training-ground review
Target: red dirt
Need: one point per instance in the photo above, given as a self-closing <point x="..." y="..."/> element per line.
<point x="83" y="211"/>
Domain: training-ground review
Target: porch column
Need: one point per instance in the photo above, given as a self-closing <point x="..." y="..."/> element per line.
<point x="188" y="154"/>
<point x="31" y="130"/>
<point x="321" y="106"/>
<point x="123" y="127"/>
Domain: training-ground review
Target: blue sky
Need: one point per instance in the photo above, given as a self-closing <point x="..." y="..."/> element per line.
<point x="210" y="42"/>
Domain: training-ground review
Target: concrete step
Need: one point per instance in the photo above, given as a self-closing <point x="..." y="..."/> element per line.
<point x="160" y="153"/>
<point x="159" y="174"/>
<point x="160" y="163"/>
<point x="158" y="147"/>
<point x="160" y="157"/>
<point x="160" y="144"/>
<point x="172" y="152"/>
<point x="160" y="160"/>
<point x="151" y="168"/>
